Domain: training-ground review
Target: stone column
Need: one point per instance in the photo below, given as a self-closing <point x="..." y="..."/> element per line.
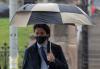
<point x="65" y="35"/>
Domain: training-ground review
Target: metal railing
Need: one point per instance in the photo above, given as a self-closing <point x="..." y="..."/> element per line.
<point x="4" y="57"/>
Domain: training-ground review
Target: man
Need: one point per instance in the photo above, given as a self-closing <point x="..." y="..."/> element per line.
<point x="43" y="54"/>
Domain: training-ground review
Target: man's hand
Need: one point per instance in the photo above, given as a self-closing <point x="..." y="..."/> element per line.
<point x="50" y="57"/>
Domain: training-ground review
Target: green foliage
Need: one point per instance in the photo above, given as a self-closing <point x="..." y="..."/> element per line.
<point x="23" y="34"/>
<point x="23" y="40"/>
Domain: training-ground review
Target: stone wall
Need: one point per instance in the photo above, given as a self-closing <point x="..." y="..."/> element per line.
<point x="65" y="35"/>
<point x="94" y="43"/>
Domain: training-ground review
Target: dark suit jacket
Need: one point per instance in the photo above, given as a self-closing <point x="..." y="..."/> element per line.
<point x="32" y="59"/>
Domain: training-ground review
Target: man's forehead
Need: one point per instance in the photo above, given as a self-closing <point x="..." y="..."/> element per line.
<point x="39" y="29"/>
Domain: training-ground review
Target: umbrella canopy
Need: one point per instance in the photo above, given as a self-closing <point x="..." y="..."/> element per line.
<point x="49" y="13"/>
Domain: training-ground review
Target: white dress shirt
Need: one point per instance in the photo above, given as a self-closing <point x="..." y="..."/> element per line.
<point x="43" y="63"/>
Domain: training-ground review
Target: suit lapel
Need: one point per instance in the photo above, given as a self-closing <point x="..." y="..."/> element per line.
<point x="36" y="57"/>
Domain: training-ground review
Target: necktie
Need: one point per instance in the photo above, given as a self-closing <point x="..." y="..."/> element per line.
<point x="43" y="54"/>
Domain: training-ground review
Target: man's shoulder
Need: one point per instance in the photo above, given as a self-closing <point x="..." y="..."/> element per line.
<point x="55" y="45"/>
<point x="30" y="48"/>
<point x="56" y="48"/>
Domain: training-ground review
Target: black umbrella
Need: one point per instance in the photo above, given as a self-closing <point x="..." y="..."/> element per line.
<point x="49" y="13"/>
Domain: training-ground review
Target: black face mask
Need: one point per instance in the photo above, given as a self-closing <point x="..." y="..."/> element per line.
<point x="41" y="39"/>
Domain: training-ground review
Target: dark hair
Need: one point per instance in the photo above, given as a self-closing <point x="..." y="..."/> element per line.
<point x="43" y="26"/>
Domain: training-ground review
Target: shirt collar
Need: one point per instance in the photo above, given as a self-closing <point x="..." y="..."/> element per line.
<point x="39" y="46"/>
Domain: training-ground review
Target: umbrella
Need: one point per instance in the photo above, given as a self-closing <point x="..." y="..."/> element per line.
<point x="49" y="13"/>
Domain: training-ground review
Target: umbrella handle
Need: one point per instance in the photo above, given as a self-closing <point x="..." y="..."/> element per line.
<point x="50" y="48"/>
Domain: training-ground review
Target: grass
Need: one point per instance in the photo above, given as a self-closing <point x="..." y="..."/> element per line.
<point x="23" y="34"/>
<point x="4" y="31"/>
<point x="23" y="37"/>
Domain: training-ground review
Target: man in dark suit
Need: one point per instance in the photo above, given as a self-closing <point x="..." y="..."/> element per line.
<point x="43" y="54"/>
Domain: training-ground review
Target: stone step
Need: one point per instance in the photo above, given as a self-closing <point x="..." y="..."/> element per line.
<point x="94" y="47"/>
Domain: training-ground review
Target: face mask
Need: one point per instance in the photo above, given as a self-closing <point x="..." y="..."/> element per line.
<point x="41" y="39"/>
